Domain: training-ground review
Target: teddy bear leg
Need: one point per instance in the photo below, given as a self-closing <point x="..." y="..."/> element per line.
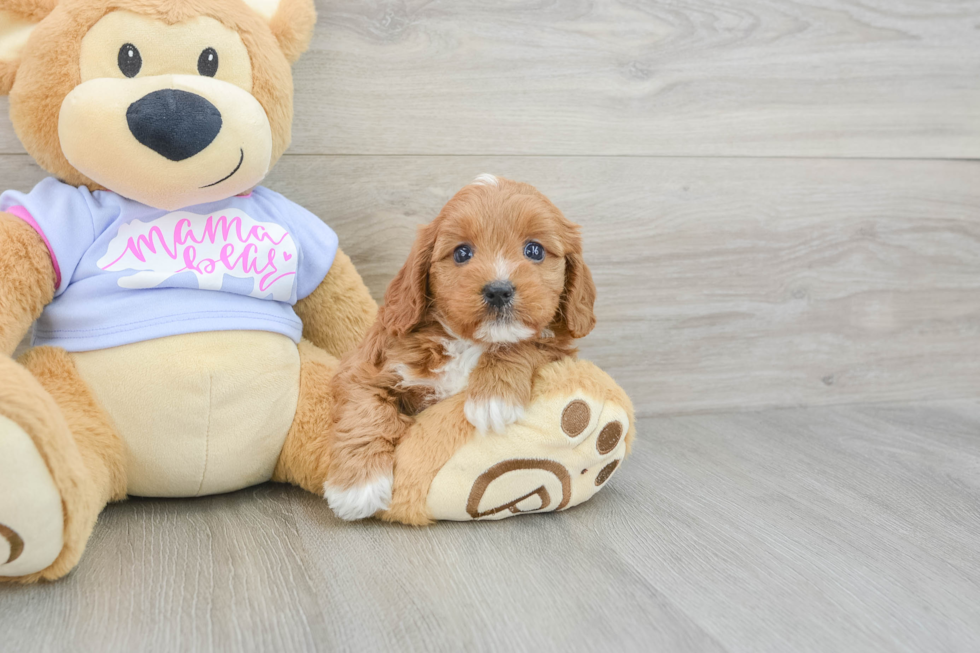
<point x="305" y="455"/>
<point x="61" y="461"/>
<point x="574" y="435"/>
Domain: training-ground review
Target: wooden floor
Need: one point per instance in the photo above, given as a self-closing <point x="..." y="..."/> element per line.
<point x="781" y="208"/>
<point x="824" y="529"/>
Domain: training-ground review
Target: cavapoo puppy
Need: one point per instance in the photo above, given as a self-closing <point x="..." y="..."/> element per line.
<point x="493" y="288"/>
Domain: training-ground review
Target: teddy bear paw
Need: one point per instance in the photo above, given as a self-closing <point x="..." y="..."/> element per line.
<point x="31" y="517"/>
<point x="560" y="454"/>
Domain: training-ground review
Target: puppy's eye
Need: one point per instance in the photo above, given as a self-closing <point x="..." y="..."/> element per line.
<point x="534" y="251"/>
<point x="129" y="60"/>
<point x="207" y="63"/>
<point x="462" y="254"/>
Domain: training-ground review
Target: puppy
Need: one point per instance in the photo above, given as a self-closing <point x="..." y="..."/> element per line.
<point x="493" y="288"/>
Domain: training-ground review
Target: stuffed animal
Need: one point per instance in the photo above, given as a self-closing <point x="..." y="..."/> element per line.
<point x="188" y="320"/>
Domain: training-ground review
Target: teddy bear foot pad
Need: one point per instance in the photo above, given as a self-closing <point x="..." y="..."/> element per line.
<point x="564" y="451"/>
<point x="31" y="519"/>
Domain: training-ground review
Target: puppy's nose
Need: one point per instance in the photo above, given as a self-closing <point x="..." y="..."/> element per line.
<point x="498" y="294"/>
<point x="173" y="123"/>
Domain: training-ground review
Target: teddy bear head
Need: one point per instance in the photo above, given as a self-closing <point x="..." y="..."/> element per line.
<point x="170" y="103"/>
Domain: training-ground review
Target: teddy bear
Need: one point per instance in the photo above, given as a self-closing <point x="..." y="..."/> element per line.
<point x="187" y="321"/>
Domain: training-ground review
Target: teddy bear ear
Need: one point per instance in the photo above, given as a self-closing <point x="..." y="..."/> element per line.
<point x="17" y="20"/>
<point x="291" y="21"/>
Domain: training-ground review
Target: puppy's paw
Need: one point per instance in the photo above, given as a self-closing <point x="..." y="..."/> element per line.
<point x="359" y="501"/>
<point x="492" y="414"/>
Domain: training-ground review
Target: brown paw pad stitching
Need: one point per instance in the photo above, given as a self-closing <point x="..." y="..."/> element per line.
<point x="575" y="418"/>
<point x="13" y="539"/>
<point x="606" y="472"/>
<point x="500" y="469"/>
<point x="609" y="437"/>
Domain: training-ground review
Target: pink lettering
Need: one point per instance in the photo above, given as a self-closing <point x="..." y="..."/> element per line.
<point x="206" y="245"/>
<point x="209" y="233"/>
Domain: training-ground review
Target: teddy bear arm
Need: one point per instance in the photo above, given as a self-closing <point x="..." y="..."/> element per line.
<point x="27" y="280"/>
<point x="340" y="311"/>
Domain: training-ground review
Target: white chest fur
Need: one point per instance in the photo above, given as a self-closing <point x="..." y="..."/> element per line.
<point x="453" y="377"/>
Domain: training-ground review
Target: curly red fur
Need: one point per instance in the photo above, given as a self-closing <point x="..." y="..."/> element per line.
<point x="435" y="314"/>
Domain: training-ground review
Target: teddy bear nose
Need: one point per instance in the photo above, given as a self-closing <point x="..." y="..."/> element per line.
<point x="498" y="294"/>
<point x="174" y="123"/>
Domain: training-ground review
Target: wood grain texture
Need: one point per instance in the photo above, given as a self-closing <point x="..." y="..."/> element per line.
<point x="887" y="78"/>
<point x="723" y="283"/>
<point x="215" y="575"/>
<point x="823" y="529"/>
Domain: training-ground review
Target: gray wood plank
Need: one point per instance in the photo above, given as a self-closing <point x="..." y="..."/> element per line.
<point x="536" y="585"/>
<point x="221" y="574"/>
<point x="814" y="530"/>
<point x="822" y="529"/>
<point x="754" y="77"/>
<point x="723" y="283"/>
<point x="8" y="139"/>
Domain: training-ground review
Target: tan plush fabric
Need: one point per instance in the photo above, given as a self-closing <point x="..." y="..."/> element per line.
<point x="340" y="311"/>
<point x="17" y="21"/>
<point x="95" y="134"/>
<point x="292" y="24"/>
<point x="444" y="470"/>
<point x="200" y="413"/>
<point x="48" y="69"/>
<point x="90" y="425"/>
<point x="33" y="10"/>
<point x="31" y="521"/>
<point x="26" y="280"/>
<point x="14" y="32"/>
<point x="306" y="453"/>
<point x="47" y="399"/>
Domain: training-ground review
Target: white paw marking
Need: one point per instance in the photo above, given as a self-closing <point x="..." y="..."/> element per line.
<point x="486" y="179"/>
<point x="492" y="415"/>
<point x="360" y="501"/>
<point x="503" y="332"/>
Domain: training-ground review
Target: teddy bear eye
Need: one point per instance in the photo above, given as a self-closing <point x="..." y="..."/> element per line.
<point x="534" y="251"/>
<point x="462" y="254"/>
<point x="129" y="60"/>
<point x="207" y="63"/>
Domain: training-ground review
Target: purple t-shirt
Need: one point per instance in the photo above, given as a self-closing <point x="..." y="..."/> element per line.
<point x="126" y="272"/>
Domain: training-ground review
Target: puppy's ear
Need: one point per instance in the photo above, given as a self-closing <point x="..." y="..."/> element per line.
<point x="578" y="299"/>
<point x="17" y="20"/>
<point x="406" y="299"/>
<point x="291" y="21"/>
